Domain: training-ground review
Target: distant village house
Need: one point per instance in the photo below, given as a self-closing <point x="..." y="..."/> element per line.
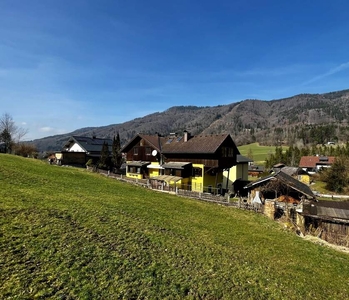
<point x="313" y="164"/>
<point x="79" y="149"/>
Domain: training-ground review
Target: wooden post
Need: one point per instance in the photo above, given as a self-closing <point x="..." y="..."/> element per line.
<point x="226" y="186"/>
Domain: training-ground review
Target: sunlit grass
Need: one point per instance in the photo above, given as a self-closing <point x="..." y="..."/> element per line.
<point x="69" y="234"/>
<point x="259" y="153"/>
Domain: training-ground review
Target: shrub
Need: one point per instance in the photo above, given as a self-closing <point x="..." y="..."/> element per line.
<point x="90" y="163"/>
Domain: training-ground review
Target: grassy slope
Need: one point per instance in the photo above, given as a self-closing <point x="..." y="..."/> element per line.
<point x="66" y="233"/>
<point x="259" y="153"/>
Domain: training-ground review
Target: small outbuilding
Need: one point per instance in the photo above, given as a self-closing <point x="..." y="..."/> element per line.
<point x="328" y="220"/>
<point x="278" y="185"/>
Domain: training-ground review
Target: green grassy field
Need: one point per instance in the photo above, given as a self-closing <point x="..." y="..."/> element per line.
<point x="259" y="153"/>
<point x="69" y="234"/>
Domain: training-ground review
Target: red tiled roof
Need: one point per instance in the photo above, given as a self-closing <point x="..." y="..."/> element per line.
<point x="313" y="161"/>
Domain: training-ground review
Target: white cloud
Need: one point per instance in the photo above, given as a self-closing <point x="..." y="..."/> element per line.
<point x="46" y="129"/>
<point x="335" y="70"/>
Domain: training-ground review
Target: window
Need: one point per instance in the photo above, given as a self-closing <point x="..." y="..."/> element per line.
<point x="135" y="151"/>
<point x="148" y="151"/>
<point x="133" y="169"/>
<point x="173" y="172"/>
<point x="197" y="172"/>
<point x="227" y="152"/>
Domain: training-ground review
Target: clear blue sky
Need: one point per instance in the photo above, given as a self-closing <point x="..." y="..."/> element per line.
<point x="65" y="65"/>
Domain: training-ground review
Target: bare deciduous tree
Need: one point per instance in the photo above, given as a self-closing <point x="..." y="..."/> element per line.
<point x="10" y="133"/>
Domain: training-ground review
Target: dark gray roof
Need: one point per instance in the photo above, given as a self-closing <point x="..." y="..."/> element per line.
<point x="89" y="144"/>
<point x="329" y="210"/>
<point x="175" y="165"/>
<point x="286" y="179"/>
<point x="293" y="171"/>
<point x="242" y="159"/>
<point x="333" y="212"/>
<point x="138" y="163"/>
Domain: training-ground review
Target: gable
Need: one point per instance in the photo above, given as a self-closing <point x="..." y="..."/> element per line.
<point x="141" y="140"/>
<point x="86" y="144"/>
<point x="285" y="179"/>
<point x="76" y="148"/>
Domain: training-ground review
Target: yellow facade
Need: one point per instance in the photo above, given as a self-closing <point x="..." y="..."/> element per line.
<point x="134" y="175"/>
<point x="154" y="169"/>
<point x="200" y="182"/>
<point x="304" y="179"/>
<point x="239" y="171"/>
<point x="207" y="182"/>
<point x="197" y="182"/>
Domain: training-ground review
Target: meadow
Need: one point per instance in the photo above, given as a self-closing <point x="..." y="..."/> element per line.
<point x="259" y="153"/>
<point x="66" y="233"/>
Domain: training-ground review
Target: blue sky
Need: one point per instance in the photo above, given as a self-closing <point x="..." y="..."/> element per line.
<point x="65" y="65"/>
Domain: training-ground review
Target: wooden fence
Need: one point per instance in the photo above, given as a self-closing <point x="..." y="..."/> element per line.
<point x="213" y="196"/>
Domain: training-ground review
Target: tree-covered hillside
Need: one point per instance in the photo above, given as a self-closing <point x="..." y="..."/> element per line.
<point x="302" y="120"/>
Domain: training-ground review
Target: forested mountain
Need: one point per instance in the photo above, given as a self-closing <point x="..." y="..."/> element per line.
<point x="301" y="119"/>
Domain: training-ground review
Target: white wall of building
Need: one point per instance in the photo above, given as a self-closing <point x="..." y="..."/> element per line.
<point x="76" y="148"/>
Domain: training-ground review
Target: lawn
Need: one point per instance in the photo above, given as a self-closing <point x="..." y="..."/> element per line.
<point x="66" y="233"/>
<point x="259" y="153"/>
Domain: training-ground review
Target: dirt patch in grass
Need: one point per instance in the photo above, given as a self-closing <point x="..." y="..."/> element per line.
<point x="321" y="242"/>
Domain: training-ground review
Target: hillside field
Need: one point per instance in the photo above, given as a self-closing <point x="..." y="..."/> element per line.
<point x="259" y="153"/>
<point x="66" y="233"/>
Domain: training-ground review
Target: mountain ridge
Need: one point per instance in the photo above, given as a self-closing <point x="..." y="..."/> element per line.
<point x="301" y="119"/>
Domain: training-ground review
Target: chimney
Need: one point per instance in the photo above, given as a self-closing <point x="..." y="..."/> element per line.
<point x="186" y="136"/>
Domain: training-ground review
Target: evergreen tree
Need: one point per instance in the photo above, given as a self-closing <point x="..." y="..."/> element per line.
<point x="104" y="161"/>
<point x="337" y="177"/>
<point x="116" y="151"/>
<point x="6" y="138"/>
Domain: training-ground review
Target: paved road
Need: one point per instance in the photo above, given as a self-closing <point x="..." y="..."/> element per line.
<point x="332" y="196"/>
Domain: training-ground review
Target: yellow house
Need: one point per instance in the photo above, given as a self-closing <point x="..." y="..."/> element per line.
<point x="297" y="173"/>
<point x="187" y="162"/>
<point x="237" y="172"/>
